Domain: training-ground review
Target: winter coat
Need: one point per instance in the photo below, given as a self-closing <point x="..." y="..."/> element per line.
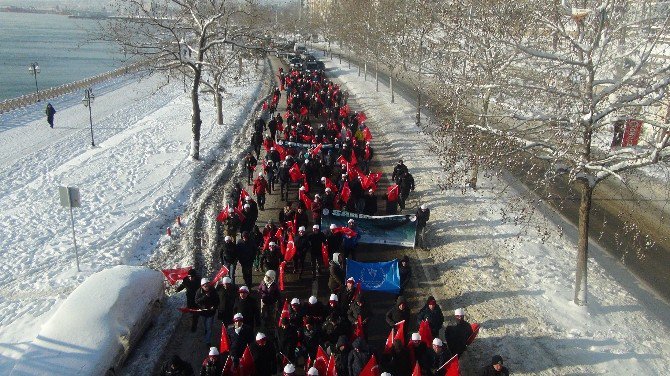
<point x="207" y="301"/>
<point x="288" y="340"/>
<point x="434" y="316"/>
<point x="269" y="293"/>
<point x="355" y="310"/>
<point x="310" y="339"/>
<point x="284" y="175"/>
<point x="399" y="362"/>
<point x="342" y="356"/>
<point x="457" y="336"/>
<point x="334" y="242"/>
<point x="315" y="312"/>
<point x="301" y="219"/>
<point x="396" y="315"/>
<point x="260" y="186"/>
<point x="436" y="360"/>
<point x="406" y="184"/>
<point x="228" y="253"/>
<point x="370" y="207"/>
<point x="316" y="240"/>
<point x="239" y="341"/>
<point x="191" y="284"/>
<point x="490" y="371"/>
<point x="422" y="217"/>
<point x="265" y="358"/>
<point x="181" y="368"/>
<point x="227" y="297"/>
<point x="246" y="252"/>
<point x="249" y="309"/>
<point x="250" y="162"/>
<point x="398" y="171"/>
<point x="336" y="277"/>
<point x="231" y="225"/>
<point x="358" y="357"/>
<point x="302" y="245"/>
<point x="270" y="258"/>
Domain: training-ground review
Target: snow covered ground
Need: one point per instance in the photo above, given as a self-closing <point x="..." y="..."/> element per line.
<point x="519" y="287"/>
<point x="133" y="184"/>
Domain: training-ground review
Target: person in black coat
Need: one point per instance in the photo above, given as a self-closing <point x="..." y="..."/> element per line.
<point x="370" y="200"/>
<point x="432" y="313"/>
<point x="398" y="313"/>
<point x="302" y="247"/>
<point x="316" y="241"/>
<point x="422" y="217"/>
<point x="336" y="273"/>
<point x="437" y="356"/>
<point x="405" y="273"/>
<point x="250" y="163"/>
<point x="341" y="354"/>
<point x="265" y="356"/>
<point x="406" y="185"/>
<point x="246" y="253"/>
<point x="227" y="295"/>
<point x="358" y="357"/>
<point x="398" y="360"/>
<point x="191" y="283"/>
<point x="287" y="336"/>
<point x="457" y="335"/>
<point x="284" y="180"/>
<point x="228" y="255"/>
<point x="248" y="306"/>
<point x="333" y="240"/>
<point x="51" y="111"/>
<point x="207" y="301"/>
<point x="398" y="171"/>
<point x="177" y="367"/>
<point x="239" y="336"/>
<point x="496" y="368"/>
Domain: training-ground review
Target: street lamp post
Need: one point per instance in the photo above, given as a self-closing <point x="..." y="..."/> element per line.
<point x="88" y="102"/>
<point x="34" y="69"/>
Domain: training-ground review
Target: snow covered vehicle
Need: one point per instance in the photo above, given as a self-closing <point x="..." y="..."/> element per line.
<point x="96" y="327"/>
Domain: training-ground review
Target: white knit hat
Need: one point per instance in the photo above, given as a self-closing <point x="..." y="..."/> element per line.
<point x="289" y="368"/>
<point x="204" y="281"/>
<point x="416" y="337"/>
<point x="243" y="289"/>
<point x="333" y="298"/>
<point x="271" y="274"/>
<point x="295" y="301"/>
<point x="459" y="312"/>
<point x="272" y="244"/>
<point x="386" y="374"/>
<point x="227" y="238"/>
<point x="424" y="207"/>
<point x="437" y="342"/>
<point x="238" y="317"/>
<point x="312" y="299"/>
<point x="333" y="226"/>
<point x="213" y="351"/>
<point x="313" y="372"/>
<point x="315" y="227"/>
<point x="301" y="228"/>
<point x="226" y="279"/>
<point x="260" y="336"/>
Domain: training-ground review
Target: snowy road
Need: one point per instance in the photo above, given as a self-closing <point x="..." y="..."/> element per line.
<point x="133" y="184"/>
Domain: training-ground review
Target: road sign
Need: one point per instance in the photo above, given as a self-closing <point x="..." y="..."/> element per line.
<point x="69" y="198"/>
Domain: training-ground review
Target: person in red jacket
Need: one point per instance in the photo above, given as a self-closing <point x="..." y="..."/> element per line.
<point x="260" y="187"/>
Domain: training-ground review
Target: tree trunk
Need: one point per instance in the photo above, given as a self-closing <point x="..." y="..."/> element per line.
<point x="196" y="121"/>
<point x="219" y="106"/>
<point x="583" y="245"/>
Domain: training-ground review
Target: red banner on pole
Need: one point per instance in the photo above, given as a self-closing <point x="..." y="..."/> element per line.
<point x="631" y="134"/>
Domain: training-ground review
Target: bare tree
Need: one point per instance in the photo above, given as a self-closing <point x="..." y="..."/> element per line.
<point x="180" y="36"/>
<point x="552" y="90"/>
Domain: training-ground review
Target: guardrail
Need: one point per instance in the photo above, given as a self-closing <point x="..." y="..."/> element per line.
<point x="28" y="99"/>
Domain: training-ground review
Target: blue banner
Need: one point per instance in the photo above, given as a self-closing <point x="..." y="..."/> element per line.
<point x="375" y="276"/>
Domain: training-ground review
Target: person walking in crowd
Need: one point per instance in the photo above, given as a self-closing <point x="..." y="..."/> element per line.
<point x="406" y="184"/>
<point x="227" y="295"/>
<point x="496" y="368"/>
<point x="265" y="356"/>
<point x="269" y="293"/>
<point x="177" y="367"/>
<point x="247" y="307"/>
<point x="422" y="217"/>
<point x="457" y="335"/>
<point x="350" y="242"/>
<point x="405" y="272"/>
<point x="432" y="313"/>
<point x="250" y="163"/>
<point x="358" y="357"/>
<point x="260" y="188"/>
<point x="398" y="313"/>
<point x="207" y="301"/>
<point x="212" y="365"/>
<point x="336" y="273"/>
<point x="239" y="336"/>
<point x="228" y="255"/>
<point x="437" y="356"/>
<point x="192" y="284"/>
<point x="245" y="251"/>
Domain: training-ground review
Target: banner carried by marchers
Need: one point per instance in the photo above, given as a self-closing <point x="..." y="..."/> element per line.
<point x="375" y="276"/>
<point x="386" y="229"/>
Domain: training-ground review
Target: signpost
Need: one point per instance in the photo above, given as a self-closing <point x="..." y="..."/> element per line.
<point x="69" y="198"/>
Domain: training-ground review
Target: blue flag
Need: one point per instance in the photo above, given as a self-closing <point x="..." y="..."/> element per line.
<point x="375" y="276"/>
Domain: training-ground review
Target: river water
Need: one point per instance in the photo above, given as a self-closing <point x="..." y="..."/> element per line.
<point x="60" y="45"/>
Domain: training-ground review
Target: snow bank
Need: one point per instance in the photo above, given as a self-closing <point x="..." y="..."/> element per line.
<point x="94" y="329"/>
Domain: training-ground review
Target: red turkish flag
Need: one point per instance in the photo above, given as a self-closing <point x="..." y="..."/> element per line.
<point x="308" y="363"/>
<point x="353" y="158"/>
<point x="222" y="273"/>
<point x="341" y="160"/>
<point x="304" y="111"/>
<point x="346" y="231"/>
<point x="223" y="214"/>
<point x="367" y="136"/>
<point x="451" y="367"/>
<point x="228" y="367"/>
<point x="331" y="185"/>
<point x="174" y="275"/>
<point x="357" y="291"/>
<point x="346" y="192"/>
<point x="316" y="150"/>
<point x="361" y="118"/>
<point x="224" y="346"/>
<point x="417" y="370"/>
<point x="284" y="312"/>
<point x="240" y="215"/>
<point x="330" y="370"/>
<point x="187" y="310"/>
<point x="282" y="152"/>
<point x="372" y="368"/>
<point x="304" y="198"/>
<point x="393" y="193"/>
<point x="290" y="248"/>
<point x="426" y="334"/>
<point x="282" y="266"/>
<point x="475" y="331"/>
<point x="247" y="367"/>
<point x="400" y="332"/>
<point x="295" y="173"/>
<point x="389" y="342"/>
<point x="321" y="361"/>
<point x="324" y="254"/>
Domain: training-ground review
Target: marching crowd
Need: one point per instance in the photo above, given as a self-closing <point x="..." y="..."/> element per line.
<point x="317" y="156"/>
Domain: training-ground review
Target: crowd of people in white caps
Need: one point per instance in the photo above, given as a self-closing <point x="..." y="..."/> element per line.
<point x="318" y="153"/>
